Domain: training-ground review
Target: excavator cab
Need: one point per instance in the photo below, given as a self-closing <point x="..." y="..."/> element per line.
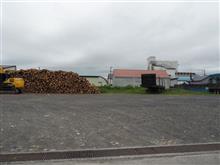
<point x="8" y="83"/>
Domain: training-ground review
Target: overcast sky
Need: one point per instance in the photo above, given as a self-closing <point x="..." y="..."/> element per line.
<point x="88" y="38"/>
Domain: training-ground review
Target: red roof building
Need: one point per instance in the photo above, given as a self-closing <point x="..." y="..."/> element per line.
<point x="132" y="77"/>
<point x="137" y="73"/>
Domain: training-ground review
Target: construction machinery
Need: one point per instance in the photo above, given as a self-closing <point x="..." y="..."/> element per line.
<point x="9" y="83"/>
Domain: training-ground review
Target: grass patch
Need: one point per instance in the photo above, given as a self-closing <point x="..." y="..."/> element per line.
<point x="128" y="90"/>
<point x="140" y="90"/>
<point x="180" y="91"/>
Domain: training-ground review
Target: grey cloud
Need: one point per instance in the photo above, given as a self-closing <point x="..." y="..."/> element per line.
<point x="89" y="38"/>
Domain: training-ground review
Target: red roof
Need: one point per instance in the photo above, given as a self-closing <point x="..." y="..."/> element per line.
<point x="138" y="73"/>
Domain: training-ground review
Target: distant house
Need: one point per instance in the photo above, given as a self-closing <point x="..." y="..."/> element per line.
<point x="132" y="77"/>
<point x="184" y="77"/>
<point x="204" y="83"/>
<point x="96" y="80"/>
<point x="206" y="80"/>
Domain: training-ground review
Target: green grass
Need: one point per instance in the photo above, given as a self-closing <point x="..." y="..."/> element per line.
<point x="128" y="90"/>
<point x="180" y="91"/>
<point x="140" y="90"/>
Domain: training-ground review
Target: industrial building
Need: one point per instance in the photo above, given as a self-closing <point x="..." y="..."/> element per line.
<point x="169" y="66"/>
<point x="167" y="70"/>
<point x="132" y="77"/>
<point x="96" y="80"/>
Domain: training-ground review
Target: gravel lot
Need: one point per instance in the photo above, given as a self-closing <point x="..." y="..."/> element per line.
<point x="34" y="122"/>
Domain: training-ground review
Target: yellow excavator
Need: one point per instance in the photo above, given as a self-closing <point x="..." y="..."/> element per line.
<point x="8" y="83"/>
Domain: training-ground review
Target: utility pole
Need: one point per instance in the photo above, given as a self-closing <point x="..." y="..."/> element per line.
<point x="204" y="72"/>
<point x="110" y="75"/>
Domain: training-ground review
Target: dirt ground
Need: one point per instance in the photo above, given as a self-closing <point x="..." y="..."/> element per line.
<point x="35" y="122"/>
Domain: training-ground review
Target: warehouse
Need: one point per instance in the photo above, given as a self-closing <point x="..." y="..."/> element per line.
<point x="131" y="77"/>
<point x="96" y="80"/>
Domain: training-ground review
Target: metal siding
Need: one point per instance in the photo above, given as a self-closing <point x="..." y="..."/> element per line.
<point x="97" y="81"/>
<point x="165" y="82"/>
<point x="122" y="82"/>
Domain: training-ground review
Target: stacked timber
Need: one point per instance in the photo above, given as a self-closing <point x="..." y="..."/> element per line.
<point x="45" y="81"/>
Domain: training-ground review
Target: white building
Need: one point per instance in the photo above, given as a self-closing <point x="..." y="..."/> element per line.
<point x="169" y="66"/>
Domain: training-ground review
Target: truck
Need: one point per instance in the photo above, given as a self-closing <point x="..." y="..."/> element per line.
<point x="152" y="83"/>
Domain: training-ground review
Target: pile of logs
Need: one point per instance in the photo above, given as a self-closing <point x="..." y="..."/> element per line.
<point x="45" y="81"/>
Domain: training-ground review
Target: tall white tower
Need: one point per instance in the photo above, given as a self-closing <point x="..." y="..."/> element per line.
<point x="150" y="61"/>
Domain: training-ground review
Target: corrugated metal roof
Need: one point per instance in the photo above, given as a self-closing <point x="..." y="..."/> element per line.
<point x="138" y="73"/>
<point x="201" y="78"/>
